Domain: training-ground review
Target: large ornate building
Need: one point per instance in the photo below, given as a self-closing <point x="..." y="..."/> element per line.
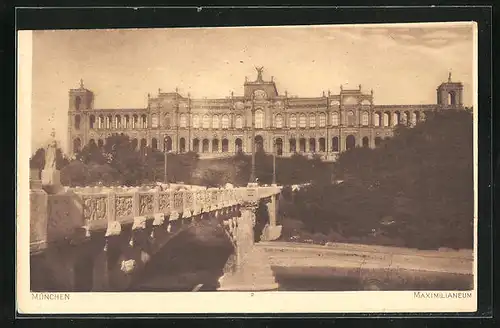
<point x="323" y="125"/>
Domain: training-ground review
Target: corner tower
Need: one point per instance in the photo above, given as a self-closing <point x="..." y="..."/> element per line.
<point x="449" y="94"/>
<point x="80" y="101"/>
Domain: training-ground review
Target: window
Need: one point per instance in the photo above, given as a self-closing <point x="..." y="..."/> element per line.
<point x="183" y="121"/>
<point x="166" y="121"/>
<point x="154" y="121"/>
<point x="215" y="122"/>
<point x="312" y="121"/>
<point x="259" y="119"/>
<point x="335" y="144"/>
<point x="351" y="119"/>
<point x="302" y="121"/>
<point x="77" y="122"/>
<point x="335" y="119"/>
<point x="322" y="120"/>
<point x="118" y="122"/>
<point x="225" y="145"/>
<point x="293" y="121"/>
<point x="92" y="121"/>
<point x="225" y="122"/>
<point x="144" y="121"/>
<point x="364" y="118"/>
<point x="396" y="118"/>
<point x="239" y="122"/>
<point x="322" y="144"/>
<point x="376" y="119"/>
<point x="126" y="122"/>
<point x="386" y="119"/>
<point x="278" y="121"/>
<point x="196" y="121"/>
<point x="206" y="121"/>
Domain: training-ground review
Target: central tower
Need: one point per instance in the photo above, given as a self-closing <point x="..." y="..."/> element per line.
<point x="260" y="88"/>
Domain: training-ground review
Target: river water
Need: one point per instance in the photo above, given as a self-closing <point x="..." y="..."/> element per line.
<point x="198" y="257"/>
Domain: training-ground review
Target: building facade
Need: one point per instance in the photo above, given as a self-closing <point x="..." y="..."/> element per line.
<point x="325" y="125"/>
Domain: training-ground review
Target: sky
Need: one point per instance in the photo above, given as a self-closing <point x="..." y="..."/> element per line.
<point x="403" y="64"/>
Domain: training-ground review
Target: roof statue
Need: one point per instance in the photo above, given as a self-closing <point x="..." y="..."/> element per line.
<point x="259" y="73"/>
<point x="449" y="77"/>
<point x="81" y="84"/>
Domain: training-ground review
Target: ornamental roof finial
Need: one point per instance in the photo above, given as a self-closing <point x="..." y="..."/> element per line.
<point x="449" y="76"/>
<point x="81" y="84"/>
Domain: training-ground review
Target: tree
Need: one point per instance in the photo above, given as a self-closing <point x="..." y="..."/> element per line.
<point x="417" y="186"/>
<point x="37" y="161"/>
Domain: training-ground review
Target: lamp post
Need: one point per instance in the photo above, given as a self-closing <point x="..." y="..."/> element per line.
<point x="165" y="152"/>
<point x="274" y="162"/>
<point x="252" y="175"/>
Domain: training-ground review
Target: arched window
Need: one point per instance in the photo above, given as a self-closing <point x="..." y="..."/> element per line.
<point x="183" y="121"/>
<point x="293" y="121"/>
<point x="405" y="118"/>
<point x="365" y="119"/>
<point x="182" y="145"/>
<point x="144" y="122"/>
<point x="452" y="98"/>
<point x="376" y="119"/>
<point x="196" y="145"/>
<point x="204" y="146"/>
<point x="238" y="145"/>
<point x="238" y="122"/>
<point x="126" y="122"/>
<point x="350" y="142"/>
<point x="351" y="118"/>
<point x="77" y="145"/>
<point x="100" y="123"/>
<point x="167" y="144"/>
<point x="278" y="121"/>
<point x="278" y="146"/>
<point x="144" y="143"/>
<point x="206" y="121"/>
<point x="225" y="122"/>
<point x="322" y="120"/>
<point x="77" y="122"/>
<point x="386" y="119"/>
<point x="225" y="145"/>
<point x="154" y="121"/>
<point x="215" y="145"/>
<point x="196" y="121"/>
<point x="312" y="145"/>
<point x="366" y="142"/>
<point x="312" y="121"/>
<point x="78" y="102"/>
<point x="335" y="144"/>
<point x="302" y="121"/>
<point x="259" y="119"/>
<point x="118" y="122"/>
<point x="322" y="144"/>
<point x="154" y="143"/>
<point x="166" y="121"/>
<point x="215" y="122"/>
<point x="135" y="120"/>
<point x="293" y="145"/>
<point x="302" y="145"/>
<point x="335" y="119"/>
<point x="413" y="118"/>
<point x="109" y="120"/>
<point x="259" y="143"/>
<point x="92" y="121"/>
<point x="397" y="119"/>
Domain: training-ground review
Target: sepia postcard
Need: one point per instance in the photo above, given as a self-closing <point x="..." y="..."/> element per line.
<point x="291" y="169"/>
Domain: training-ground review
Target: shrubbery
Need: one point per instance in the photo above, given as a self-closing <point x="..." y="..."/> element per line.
<point x="416" y="189"/>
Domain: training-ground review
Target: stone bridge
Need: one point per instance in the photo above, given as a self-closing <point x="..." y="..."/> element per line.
<point x="99" y="239"/>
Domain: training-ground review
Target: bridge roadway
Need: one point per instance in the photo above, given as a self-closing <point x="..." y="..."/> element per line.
<point x="376" y="267"/>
